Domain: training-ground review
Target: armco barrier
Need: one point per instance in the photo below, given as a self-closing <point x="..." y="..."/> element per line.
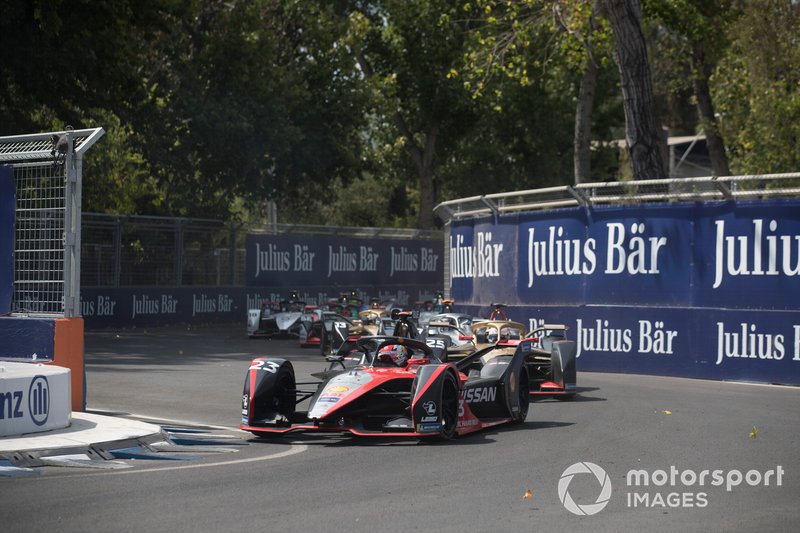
<point x="705" y="289"/>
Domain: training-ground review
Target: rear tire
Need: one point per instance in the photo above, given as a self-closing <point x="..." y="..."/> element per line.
<point x="323" y="341"/>
<point x="524" y="395"/>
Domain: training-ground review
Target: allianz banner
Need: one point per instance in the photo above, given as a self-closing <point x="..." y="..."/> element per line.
<point x="744" y="255"/>
<point x="296" y="261"/>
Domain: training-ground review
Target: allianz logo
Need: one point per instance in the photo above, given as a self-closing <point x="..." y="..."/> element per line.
<point x="12" y="404"/>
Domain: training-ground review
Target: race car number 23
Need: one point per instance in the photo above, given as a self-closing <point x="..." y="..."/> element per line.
<point x="269" y="366"/>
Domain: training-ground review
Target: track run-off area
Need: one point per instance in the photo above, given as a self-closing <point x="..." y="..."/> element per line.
<point x="630" y="453"/>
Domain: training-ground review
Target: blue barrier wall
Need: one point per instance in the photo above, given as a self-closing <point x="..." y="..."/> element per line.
<point x="696" y="290"/>
<point x="294" y="261"/>
<point x="7" y="210"/>
<point x="155" y="306"/>
<point x="27" y="339"/>
<point x="319" y="267"/>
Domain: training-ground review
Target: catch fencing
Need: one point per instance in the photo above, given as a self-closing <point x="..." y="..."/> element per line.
<point x="47" y="170"/>
<point x="144" y="251"/>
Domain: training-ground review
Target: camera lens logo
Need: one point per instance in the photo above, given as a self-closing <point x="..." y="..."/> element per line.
<point x="39" y="400"/>
<point x="587" y="509"/>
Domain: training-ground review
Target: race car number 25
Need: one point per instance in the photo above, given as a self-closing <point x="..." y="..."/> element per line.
<point x="268" y="366"/>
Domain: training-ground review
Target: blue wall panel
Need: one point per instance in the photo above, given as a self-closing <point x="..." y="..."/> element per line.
<point x="156" y="306"/>
<point x="697" y="290"/>
<point x="27" y="339"/>
<point x="295" y="261"/>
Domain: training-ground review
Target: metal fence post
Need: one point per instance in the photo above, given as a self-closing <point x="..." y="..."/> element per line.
<point x="232" y="256"/>
<point x="179" y="252"/>
<point x="117" y="251"/>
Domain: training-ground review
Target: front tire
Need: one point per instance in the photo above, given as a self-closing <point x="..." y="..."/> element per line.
<point x="524" y="395"/>
<point x="449" y="407"/>
<point x="284" y="395"/>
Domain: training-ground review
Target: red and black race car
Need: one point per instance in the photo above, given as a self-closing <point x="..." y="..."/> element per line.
<point x="399" y="388"/>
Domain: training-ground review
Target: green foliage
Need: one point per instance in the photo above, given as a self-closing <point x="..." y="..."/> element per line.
<point x="213" y="108"/>
<point x="757" y="88"/>
<point x="687" y="39"/>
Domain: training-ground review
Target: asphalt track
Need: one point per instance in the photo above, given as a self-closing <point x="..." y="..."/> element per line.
<point x="500" y="480"/>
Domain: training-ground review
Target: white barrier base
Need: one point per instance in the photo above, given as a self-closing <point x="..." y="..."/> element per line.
<point x="33" y="398"/>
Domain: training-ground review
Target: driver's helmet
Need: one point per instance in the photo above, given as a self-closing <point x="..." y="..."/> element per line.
<point x="393" y="354"/>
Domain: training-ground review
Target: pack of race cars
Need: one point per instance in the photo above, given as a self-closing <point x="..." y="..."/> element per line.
<point x="388" y="373"/>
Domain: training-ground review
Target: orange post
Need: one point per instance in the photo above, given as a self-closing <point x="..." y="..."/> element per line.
<point x="68" y="352"/>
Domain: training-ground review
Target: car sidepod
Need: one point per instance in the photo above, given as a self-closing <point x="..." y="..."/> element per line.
<point x="494" y="395"/>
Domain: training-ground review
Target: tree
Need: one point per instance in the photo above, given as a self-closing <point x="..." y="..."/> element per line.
<point x="555" y="49"/>
<point x="404" y="54"/>
<point x="642" y="129"/>
<point x="756" y="87"/>
<point x="697" y="31"/>
<point x="588" y="36"/>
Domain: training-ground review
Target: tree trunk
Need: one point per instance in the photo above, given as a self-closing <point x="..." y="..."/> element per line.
<point x="422" y="157"/>
<point x="642" y="129"/>
<point x="705" y="108"/>
<point x="582" y="159"/>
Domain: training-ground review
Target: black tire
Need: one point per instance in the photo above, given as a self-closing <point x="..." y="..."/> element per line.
<point x="449" y="404"/>
<point x="283" y="397"/>
<point x="449" y="407"/>
<point x="323" y="341"/>
<point x="524" y="395"/>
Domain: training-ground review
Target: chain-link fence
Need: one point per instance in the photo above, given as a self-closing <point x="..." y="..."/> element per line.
<point x="47" y="174"/>
<point x="131" y="251"/>
<point x="121" y="250"/>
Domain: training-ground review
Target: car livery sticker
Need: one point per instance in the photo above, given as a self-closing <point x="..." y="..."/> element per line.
<point x="337" y="390"/>
<point x="480" y="394"/>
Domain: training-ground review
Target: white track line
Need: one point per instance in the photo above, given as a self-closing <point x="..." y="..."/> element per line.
<point x="293" y="450"/>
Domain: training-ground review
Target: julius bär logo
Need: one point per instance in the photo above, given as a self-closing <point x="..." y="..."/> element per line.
<point x="39" y="400"/>
<point x="586" y="509"/>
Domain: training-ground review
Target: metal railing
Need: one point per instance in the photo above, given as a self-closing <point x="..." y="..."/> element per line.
<point x="709" y="188"/>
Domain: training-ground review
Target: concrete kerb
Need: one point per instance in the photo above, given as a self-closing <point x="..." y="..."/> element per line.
<point x="89" y="435"/>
